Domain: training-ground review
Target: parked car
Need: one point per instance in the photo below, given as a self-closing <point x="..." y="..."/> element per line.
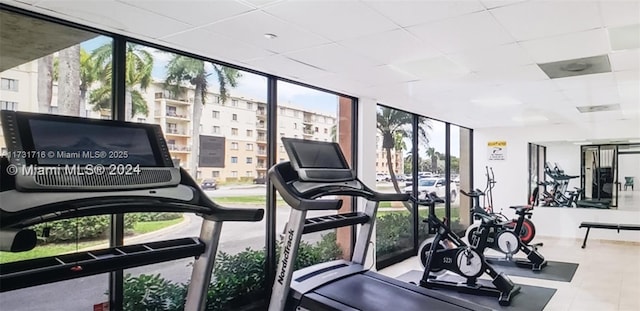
<point x="383" y="177"/>
<point x="209" y="184"/>
<point x="259" y="181"/>
<point x="437" y="185"/>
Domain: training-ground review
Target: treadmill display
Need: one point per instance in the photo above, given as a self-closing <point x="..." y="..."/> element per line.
<point x="319" y="155"/>
<point x="84" y="143"/>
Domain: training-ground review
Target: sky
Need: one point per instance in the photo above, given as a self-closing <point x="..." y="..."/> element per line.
<point x="255" y="87"/>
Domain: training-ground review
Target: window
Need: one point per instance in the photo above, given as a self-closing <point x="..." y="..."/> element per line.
<point x="215" y="174"/>
<point x="234" y="146"/>
<point x="249" y="160"/>
<point x="249" y="173"/>
<point x="296" y="113"/>
<point x="234" y="174"/>
<point x="249" y="147"/>
<point x="282" y="148"/>
<point x="316" y="129"/>
<point x="249" y="133"/>
<point x="216" y="99"/>
<point x="53" y="110"/>
<point x="8" y="84"/>
<point x="281" y="133"/>
<point x="283" y="110"/>
<point x="326" y="130"/>
<point x="216" y="114"/>
<point x="234" y="103"/>
<point x="3" y="151"/>
<point x="295" y="126"/>
<point x="249" y="106"/>
<point x="234" y="117"/>
<point x="172" y="111"/>
<point x="141" y="120"/>
<point x="234" y="159"/>
<point x="216" y="129"/>
<point x="7" y="105"/>
<point x="234" y="131"/>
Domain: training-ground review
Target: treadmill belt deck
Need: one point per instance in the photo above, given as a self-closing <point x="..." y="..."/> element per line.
<point x="375" y="292"/>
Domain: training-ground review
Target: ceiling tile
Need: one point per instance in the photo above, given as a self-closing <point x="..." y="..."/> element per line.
<point x="593" y="96"/>
<point x="620" y="12"/>
<point x="630" y="91"/>
<point x="537" y="19"/>
<point x="332" y="57"/>
<point x="586" y="81"/>
<point x="471" y="31"/>
<point x="504" y="56"/>
<point x="625" y="37"/>
<point x="399" y="45"/>
<point x="490" y="4"/>
<point x="285" y="67"/>
<point x="340" y="83"/>
<point x="627" y="76"/>
<point x="380" y="75"/>
<point x="336" y="20"/>
<point x="569" y="46"/>
<point x="193" y="12"/>
<point x="117" y="16"/>
<point x="250" y="28"/>
<point x="216" y="46"/>
<point x="259" y="3"/>
<point x="409" y="13"/>
<point x="432" y="68"/>
<point x="512" y="74"/>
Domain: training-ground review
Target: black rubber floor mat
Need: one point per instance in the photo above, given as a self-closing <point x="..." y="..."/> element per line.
<point x="530" y="298"/>
<point x="554" y="271"/>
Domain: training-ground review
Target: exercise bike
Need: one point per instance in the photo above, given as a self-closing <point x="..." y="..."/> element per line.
<point x="496" y="236"/>
<point x="447" y="252"/>
<point x="527" y="229"/>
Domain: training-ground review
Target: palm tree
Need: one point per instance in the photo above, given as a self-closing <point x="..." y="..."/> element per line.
<point x="45" y="83"/>
<point x="69" y="81"/>
<point x="89" y="73"/>
<point x="431" y="153"/>
<point x="139" y="64"/>
<point x="394" y="126"/>
<point x="181" y="69"/>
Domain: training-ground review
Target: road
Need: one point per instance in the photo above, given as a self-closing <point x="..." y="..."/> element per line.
<point x="81" y="294"/>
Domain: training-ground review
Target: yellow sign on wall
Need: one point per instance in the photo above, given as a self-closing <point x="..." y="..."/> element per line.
<point x="497" y="150"/>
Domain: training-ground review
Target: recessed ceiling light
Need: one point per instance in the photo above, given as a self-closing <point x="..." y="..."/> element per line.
<point x="270" y="35"/>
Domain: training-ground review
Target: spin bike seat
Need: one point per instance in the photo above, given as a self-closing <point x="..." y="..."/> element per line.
<point x="520" y="209"/>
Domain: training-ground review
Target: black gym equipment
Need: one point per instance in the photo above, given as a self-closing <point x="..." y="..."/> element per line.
<point x="52" y="174"/>
<point x="319" y="169"/>
<point x="447" y="252"/>
<point x="503" y="238"/>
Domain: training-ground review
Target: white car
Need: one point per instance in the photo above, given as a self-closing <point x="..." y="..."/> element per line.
<point x="437" y="185"/>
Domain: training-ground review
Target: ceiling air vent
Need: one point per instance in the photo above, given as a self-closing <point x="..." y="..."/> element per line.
<point x="599" y="108"/>
<point x="577" y="67"/>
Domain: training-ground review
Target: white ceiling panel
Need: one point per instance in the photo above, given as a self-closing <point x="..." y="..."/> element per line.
<point x="283" y="66"/>
<point x="336" y="20"/>
<point x="570" y="46"/>
<point x="587" y="81"/>
<point x="117" y="16"/>
<point x="340" y="83"/>
<point x="216" y="46"/>
<point x="490" y="4"/>
<point x="391" y="47"/>
<point x="537" y="19"/>
<point x="409" y="13"/>
<point x="627" y="76"/>
<point x="193" y="12"/>
<point x="380" y="75"/>
<point x="333" y="57"/>
<point x="625" y="60"/>
<point x="259" y="3"/>
<point x="471" y="31"/>
<point x="512" y="74"/>
<point x="620" y="12"/>
<point x="499" y="57"/>
<point x="250" y="28"/>
<point x="593" y="96"/>
<point x="630" y="92"/>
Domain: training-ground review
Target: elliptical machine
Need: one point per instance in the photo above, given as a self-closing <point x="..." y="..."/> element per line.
<point x="497" y="236"/>
<point x="447" y="252"/>
<point x="527" y="228"/>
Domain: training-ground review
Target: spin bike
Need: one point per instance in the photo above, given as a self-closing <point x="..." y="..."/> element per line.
<point x="447" y="252"/>
<point x="527" y="229"/>
<point x="496" y="236"/>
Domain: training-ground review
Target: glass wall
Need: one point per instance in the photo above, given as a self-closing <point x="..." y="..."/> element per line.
<point x="57" y="78"/>
<point x="395" y="237"/>
<point x="442" y="164"/>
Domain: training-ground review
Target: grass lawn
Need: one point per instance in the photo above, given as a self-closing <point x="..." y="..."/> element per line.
<point x="424" y="212"/>
<point x="248" y="199"/>
<point x="62" y="248"/>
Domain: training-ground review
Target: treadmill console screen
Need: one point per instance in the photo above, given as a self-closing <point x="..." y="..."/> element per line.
<point x="318" y="161"/>
<point x="62" y="153"/>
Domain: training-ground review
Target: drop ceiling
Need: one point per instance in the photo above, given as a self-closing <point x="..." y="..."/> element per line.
<point x="471" y="62"/>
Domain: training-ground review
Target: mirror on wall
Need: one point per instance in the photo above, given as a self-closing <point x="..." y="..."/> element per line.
<point x="583" y="174"/>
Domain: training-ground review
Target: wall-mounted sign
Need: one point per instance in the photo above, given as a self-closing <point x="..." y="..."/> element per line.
<point x="211" y="151"/>
<point x="497" y="150"/>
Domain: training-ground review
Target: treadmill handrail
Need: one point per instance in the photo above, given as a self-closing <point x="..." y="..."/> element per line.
<point x="102" y="205"/>
<point x="310" y="202"/>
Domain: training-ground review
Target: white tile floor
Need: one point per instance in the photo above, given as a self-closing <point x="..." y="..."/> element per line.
<point x="629" y="200"/>
<point x="607" y="279"/>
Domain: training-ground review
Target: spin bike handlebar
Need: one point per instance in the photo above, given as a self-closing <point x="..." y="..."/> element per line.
<point x="472" y="193"/>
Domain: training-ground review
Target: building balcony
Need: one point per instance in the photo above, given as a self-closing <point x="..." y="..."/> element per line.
<point x="159" y="96"/>
<point x="261" y="126"/>
<point x="261" y="153"/>
<point x="175" y="132"/>
<point x="308" y="132"/>
<point x="261" y="168"/>
<point x="261" y="114"/>
<point x="178" y="148"/>
<point x="307" y="120"/>
<point x="261" y="139"/>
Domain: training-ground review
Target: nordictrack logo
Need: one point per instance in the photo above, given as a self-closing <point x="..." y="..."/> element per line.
<point x="286" y="256"/>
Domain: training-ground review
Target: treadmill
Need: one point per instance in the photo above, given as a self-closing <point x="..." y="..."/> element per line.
<point x="61" y="167"/>
<point x="318" y="169"/>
